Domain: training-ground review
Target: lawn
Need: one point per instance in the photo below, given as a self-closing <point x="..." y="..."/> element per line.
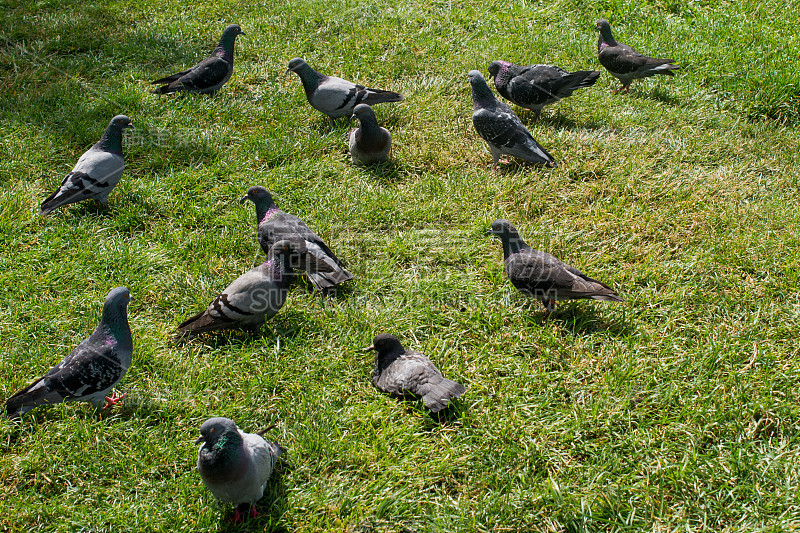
<point x="676" y="410"/>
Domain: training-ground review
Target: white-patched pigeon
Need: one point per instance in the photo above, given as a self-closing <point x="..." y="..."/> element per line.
<point x="625" y="63"/>
<point x="97" y="171"/>
<point x="369" y="143"/>
<point x="210" y="74"/>
<point x="501" y="128"/>
<point x="543" y="276"/>
<point x="93" y="368"/>
<point x="403" y="373"/>
<point x="274" y="225"/>
<point x="334" y="96"/>
<point x="234" y="465"/>
<point x="255" y="296"/>
<point x="535" y="86"/>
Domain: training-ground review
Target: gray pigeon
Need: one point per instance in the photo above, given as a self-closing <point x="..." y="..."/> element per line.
<point x="625" y="63"/>
<point x="544" y="276"/>
<point x="501" y="128"/>
<point x="274" y="225"/>
<point x="93" y="368"/>
<point x="97" y="171"/>
<point x="234" y="465"/>
<point x="535" y="86"/>
<point x="404" y="373"/>
<point x="369" y="143"/>
<point x="253" y="297"/>
<point x="334" y="96"/>
<point x="210" y="74"/>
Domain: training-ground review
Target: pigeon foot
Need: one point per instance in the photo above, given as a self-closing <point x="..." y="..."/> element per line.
<point x="114" y="399"/>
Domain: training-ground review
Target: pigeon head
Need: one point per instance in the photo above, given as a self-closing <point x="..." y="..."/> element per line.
<point x="496" y="66"/>
<point x="385" y="343"/>
<point x="605" y="31"/>
<point x="502" y="228"/>
<point x="258" y="195"/>
<point x="296" y="64"/>
<point x="481" y="93"/>
<point x="214" y="429"/>
<point x="233" y="30"/>
<point x="116" y="304"/>
<point x="121" y="122"/>
<point x="364" y="113"/>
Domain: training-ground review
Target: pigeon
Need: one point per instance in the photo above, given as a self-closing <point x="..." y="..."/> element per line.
<point x="535" y="86"/>
<point x="369" y="143"/>
<point x="97" y="171"/>
<point x="544" y="276"/>
<point x="274" y="225"/>
<point x="334" y="96"/>
<point x="253" y="297"/>
<point x="403" y="373"/>
<point x="93" y="368"/>
<point x="501" y="128"/>
<point x="210" y="74"/>
<point x="234" y="465"/>
<point x="625" y="63"/>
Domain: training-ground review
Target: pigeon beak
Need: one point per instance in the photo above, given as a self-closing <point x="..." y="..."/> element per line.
<point x="200" y="439"/>
<point x="131" y="298"/>
<point x="288" y="70"/>
<point x="243" y="199"/>
<point x="130" y="126"/>
<point x="489" y="232"/>
<point x="372" y="347"/>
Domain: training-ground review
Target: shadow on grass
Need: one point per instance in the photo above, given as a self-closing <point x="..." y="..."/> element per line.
<point x="582" y="319"/>
<point x="286" y="325"/>
<point x="557" y="119"/>
<point x="659" y="94"/>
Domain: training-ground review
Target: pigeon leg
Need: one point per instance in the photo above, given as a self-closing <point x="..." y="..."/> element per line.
<point x="253" y="511"/>
<point x="239" y="513"/>
<point x="114" y="399"/>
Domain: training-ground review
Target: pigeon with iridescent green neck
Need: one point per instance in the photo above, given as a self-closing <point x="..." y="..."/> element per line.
<point x="625" y="63"/>
<point x="93" y="368"/>
<point x="97" y="171"/>
<point x="255" y="296"/>
<point x="274" y="225"/>
<point x="210" y="74"/>
<point x="334" y="96"/>
<point x="501" y="128"/>
<point x="234" y="465"/>
<point x="543" y="276"/>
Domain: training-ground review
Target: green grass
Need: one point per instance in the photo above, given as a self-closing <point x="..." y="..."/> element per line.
<point x="675" y="411"/>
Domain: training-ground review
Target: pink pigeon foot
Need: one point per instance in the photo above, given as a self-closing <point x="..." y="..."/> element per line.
<point x="113" y="400"/>
<point x="254" y="512"/>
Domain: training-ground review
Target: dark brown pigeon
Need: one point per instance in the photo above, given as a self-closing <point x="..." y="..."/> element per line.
<point x="405" y="373"/>
<point x="544" y="276"/>
<point x="274" y="225"/>
<point x="535" y="86"/>
<point x="210" y="74"/>
<point x="625" y="63"/>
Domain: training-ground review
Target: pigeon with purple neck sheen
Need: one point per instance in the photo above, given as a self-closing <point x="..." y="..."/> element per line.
<point x="91" y="371"/>
<point x="97" y="171"/>
<point x="369" y="143"/>
<point x="274" y="225"/>
<point x="334" y="96"/>
<point x="501" y="128"/>
<point x="402" y="373"/>
<point x="543" y="276"/>
<point x="255" y="296"/>
<point x="625" y="63"/>
<point x="535" y="86"/>
<point x="234" y="465"/>
<point x="210" y="74"/>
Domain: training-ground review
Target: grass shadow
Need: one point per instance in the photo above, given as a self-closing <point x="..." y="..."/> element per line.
<point x="587" y="320"/>
<point x="659" y="94"/>
<point x="389" y="172"/>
